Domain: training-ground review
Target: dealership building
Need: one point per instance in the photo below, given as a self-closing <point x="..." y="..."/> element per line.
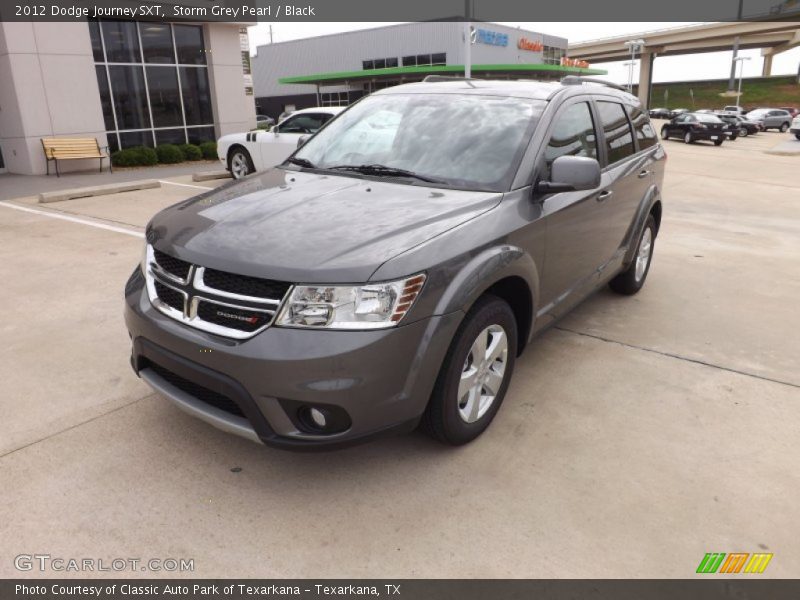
<point x="125" y="83"/>
<point x="335" y="70"/>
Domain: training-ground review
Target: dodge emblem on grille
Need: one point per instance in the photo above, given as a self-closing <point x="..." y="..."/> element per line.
<point x="227" y="315"/>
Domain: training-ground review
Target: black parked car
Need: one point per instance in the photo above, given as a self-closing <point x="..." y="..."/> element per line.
<point x="660" y="113"/>
<point x="691" y="127"/>
<point x="743" y="126"/>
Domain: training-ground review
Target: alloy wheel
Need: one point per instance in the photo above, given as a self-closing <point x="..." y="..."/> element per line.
<point x="483" y="373"/>
<point x="240" y="166"/>
<point x="643" y="255"/>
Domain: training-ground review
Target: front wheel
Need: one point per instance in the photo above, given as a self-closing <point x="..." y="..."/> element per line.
<point x="475" y="375"/>
<point x="784" y="127"/>
<point x="240" y="163"/>
<point x="743" y="132"/>
<point x="797" y="135"/>
<point x="664" y="133"/>
<point x="632" y="279"/>
<point x="688" y="138"/>
<point x="719" y="142"/>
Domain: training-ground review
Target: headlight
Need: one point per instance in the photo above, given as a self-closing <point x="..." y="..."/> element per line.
<point x="370" y="306"/>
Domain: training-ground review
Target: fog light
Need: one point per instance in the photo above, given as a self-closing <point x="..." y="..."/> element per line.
<point x="319" y="418"/>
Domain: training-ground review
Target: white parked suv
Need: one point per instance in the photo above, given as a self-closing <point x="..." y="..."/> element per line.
<point x="244" y="153"/>
<point x="795" y="128"/>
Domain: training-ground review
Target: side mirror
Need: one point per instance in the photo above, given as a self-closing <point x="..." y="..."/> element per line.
<point x="570" y="174"/>
<point x="302" y="140"/>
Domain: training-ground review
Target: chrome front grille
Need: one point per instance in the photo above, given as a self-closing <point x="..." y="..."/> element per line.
<point x="227" y="304"/>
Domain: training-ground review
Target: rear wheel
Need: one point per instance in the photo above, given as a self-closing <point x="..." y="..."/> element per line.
<point x="475" y="374"/>
<point x="632" y="279"/>
<point x="240" y="163"/>
<point x="784" y="127"/>
<point x="688" y="138"/>
<point x="797" y="135"/>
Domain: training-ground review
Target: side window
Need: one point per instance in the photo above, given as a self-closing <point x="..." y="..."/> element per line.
<point x="644" y="130"/>
<point x="619" y="140"/>
<point x="305" y="123"/>
<point x="573" y="134"/>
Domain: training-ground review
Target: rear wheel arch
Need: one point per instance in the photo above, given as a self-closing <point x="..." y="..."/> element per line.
<point x="655" y="210"/>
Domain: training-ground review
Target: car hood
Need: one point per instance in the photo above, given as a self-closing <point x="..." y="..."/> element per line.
<point x="310" y="228"/>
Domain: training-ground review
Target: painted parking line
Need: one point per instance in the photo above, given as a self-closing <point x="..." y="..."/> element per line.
<point x="63" y="217"/>
<point x="199" y="187"/>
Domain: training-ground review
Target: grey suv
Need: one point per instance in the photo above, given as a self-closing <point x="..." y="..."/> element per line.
<point x="389" y="273"/>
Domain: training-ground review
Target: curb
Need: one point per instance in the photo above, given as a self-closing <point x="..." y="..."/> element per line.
<point x="209" y="175"/>
<point x="97" y="190"/>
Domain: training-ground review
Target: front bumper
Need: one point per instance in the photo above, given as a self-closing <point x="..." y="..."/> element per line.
<point x="381" y="379"/>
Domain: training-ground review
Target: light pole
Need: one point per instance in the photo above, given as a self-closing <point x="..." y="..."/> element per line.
<point x="634" y="46"/>
<point x="630" y="64"/>
<point x="740" y="59"/>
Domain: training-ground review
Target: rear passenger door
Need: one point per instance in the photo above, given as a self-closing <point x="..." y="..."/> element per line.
<point x="625" y="179"/>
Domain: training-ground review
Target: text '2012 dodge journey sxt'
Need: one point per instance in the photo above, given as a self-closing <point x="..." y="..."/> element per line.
<point x="388" y="274"/>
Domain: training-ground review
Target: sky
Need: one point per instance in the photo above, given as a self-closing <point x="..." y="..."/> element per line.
<point x="711" y="65"/>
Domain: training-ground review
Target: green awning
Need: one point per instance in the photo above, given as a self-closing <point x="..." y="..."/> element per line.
<point x="520" y="69"/>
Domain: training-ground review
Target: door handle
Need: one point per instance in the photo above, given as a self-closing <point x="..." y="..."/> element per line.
<point x="604" y="195"/>
<point x="643" y="174"/>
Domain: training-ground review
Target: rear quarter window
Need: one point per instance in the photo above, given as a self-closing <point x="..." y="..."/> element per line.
<point x="645" y="134"/>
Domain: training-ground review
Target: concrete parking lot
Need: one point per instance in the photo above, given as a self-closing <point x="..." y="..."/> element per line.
<point x="638" y="434"/>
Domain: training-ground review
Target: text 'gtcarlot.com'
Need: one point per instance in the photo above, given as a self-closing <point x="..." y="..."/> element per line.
<point x="46" y="562"/>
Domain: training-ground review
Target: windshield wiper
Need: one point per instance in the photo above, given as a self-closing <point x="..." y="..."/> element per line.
<point x="301" y="162"/>
<point x="383" y="170"/>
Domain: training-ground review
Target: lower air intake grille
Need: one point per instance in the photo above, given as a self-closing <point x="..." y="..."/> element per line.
<point x="195" y="390"/>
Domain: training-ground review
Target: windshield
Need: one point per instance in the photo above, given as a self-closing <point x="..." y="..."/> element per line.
<point x="463" y="141"/>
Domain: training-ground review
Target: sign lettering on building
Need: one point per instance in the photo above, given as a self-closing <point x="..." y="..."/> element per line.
<point x="491" y="38"/>
<point x="529" y="45"/>
<point x="574" y="62"/>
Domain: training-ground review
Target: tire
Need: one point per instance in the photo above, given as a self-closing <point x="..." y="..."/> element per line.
<point x="743" y="132"/>
<point x="664" y="133"/>
<point x="688" y="138"/>
<point x="797" y="135"/>
<point x="239" y="162"/>
<point x="784" y="127"/>
<point x="454" y="418"/>
<point x="719" y="142"/>
<point x="632" y="279"/>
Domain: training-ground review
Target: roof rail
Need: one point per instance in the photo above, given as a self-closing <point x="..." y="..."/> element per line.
<point x="575" y="80"/>
<point x="429" y="78"/>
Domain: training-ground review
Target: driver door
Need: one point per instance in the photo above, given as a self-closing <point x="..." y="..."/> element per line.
<point x="276" y="145"/>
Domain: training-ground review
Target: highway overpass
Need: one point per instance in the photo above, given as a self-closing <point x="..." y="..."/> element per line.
<point x="772" y="37"/>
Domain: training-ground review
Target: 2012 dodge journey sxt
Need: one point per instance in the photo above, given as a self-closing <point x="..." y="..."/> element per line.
<point x="388" y="274"/>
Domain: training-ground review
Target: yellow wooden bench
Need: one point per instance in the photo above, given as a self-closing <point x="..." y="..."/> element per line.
<point x="57" y="149"/>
